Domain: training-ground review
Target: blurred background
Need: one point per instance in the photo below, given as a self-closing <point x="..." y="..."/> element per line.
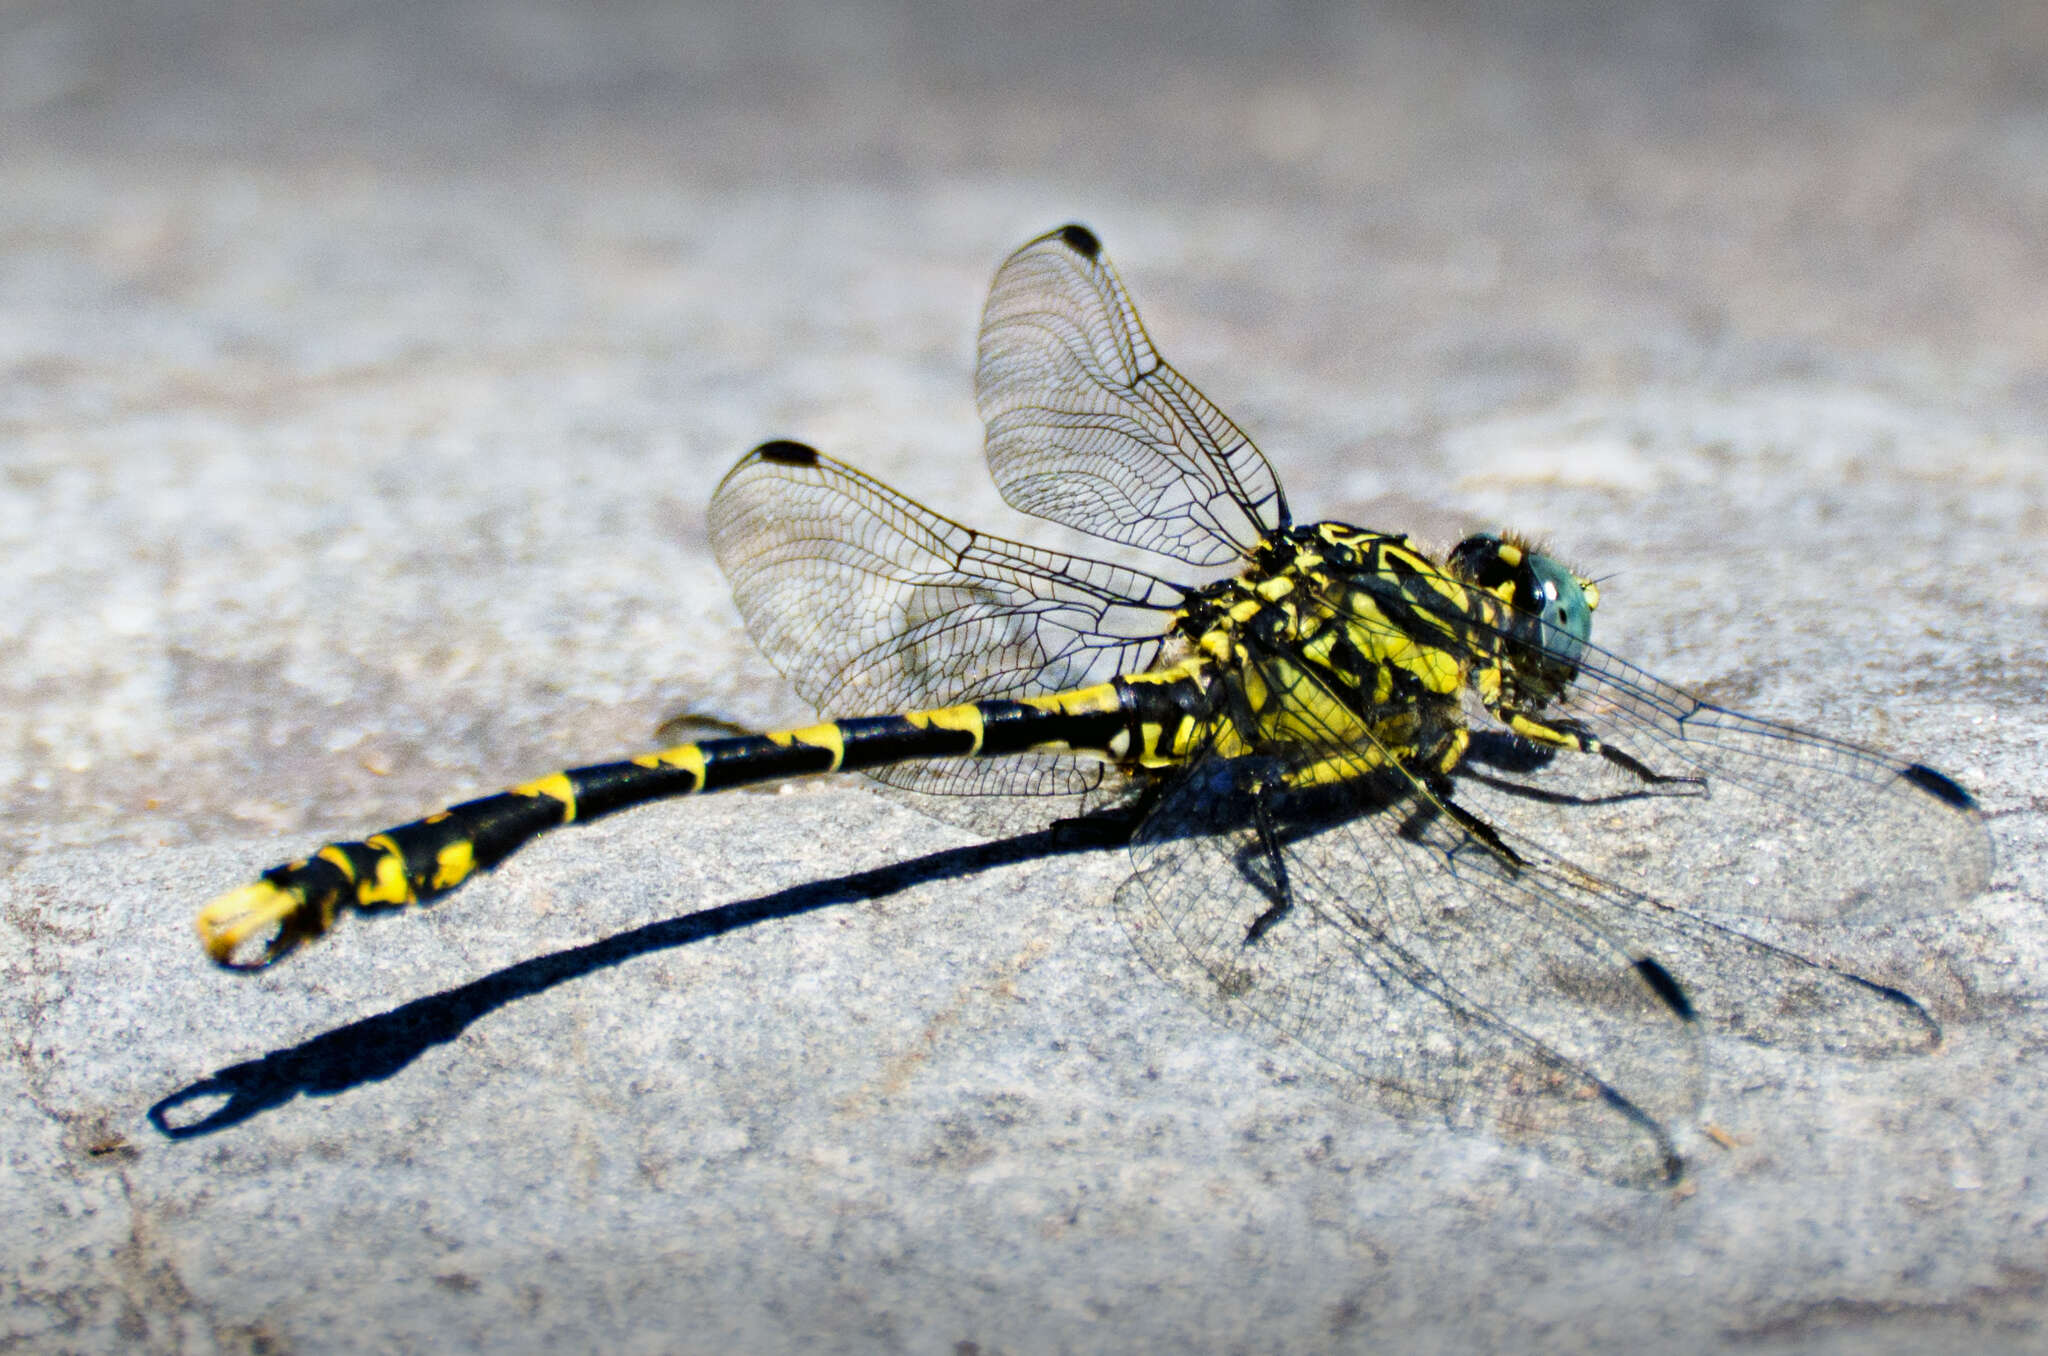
<point x="302" y="304"/>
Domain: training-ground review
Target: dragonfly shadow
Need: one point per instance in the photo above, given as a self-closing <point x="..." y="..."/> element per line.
<point x="375" y="1048"/>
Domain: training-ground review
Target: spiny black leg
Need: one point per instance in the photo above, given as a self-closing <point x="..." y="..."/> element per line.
<point x="1571" y="734"/>
<point x="1483" y="831"/>
<point x="1545" y="796"/>
<point x="1635" y="768"/>
<point x="1627" y="762"/>
<point x="1282" y="890"/>
<point x="1427" y="808"/>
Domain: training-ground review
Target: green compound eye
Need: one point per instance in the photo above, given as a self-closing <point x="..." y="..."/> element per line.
<point x="1537" y="585"/>
<point x="1561" y="601"/>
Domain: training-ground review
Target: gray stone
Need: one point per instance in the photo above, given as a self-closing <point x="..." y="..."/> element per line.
<point x="363" y="375"/>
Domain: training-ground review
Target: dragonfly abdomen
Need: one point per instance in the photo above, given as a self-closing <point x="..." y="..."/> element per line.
<point x="1137" y="720"/>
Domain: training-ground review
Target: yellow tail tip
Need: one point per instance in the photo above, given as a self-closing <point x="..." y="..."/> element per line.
<point x="237" y="917"/>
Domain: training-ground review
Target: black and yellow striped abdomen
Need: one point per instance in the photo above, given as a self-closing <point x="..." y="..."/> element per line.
<point x="1144" y="720"/>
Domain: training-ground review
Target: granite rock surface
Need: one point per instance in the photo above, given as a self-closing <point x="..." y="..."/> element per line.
<point x="364" y="371"/>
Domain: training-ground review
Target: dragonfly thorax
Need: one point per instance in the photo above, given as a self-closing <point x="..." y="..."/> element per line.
<point x="1349" y="642"/>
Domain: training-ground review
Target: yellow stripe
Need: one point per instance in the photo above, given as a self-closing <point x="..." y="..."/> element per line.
<point x="1256" y="693"/>
<point x="389" y="886"/>
<point x="453" y="865"/>
<point x="1274" y="589"/>
<point x="688" y="757"/>
<point x="1081" y="701"/>
<point x="827" y="736"/>
<point x="555" y="786"/>
<point x="1453" y="592"/>
<point x="1195" y="666"/>
<point x="961" y="719"/>
<point x="1337" y="768"/>
<point x="1439" y="670"/>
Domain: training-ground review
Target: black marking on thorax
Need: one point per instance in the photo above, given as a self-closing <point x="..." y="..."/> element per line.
<point x="1338" y="572"/>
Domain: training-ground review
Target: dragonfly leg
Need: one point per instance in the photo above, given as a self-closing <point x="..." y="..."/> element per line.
<point x="1438" y="804"/>
<point x="1570" y="734"/>
<point x="1277" y="887"/>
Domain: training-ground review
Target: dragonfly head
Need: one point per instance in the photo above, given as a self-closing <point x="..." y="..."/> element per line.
<point x="1553" y="607"/>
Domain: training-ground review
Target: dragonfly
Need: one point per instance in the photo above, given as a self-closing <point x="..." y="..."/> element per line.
<point x="1394" y="807"/>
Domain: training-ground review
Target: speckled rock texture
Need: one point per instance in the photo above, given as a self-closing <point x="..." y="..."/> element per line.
<point x="365" y="369"/>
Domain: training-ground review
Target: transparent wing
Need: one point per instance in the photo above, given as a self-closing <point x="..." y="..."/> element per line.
<point x="1087" y="426"/>
<point x="1452" y="1006"/>
<point x="1487" y="983"/>
<point x="870" y="603"/>
<point x="1776" y="821"/>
